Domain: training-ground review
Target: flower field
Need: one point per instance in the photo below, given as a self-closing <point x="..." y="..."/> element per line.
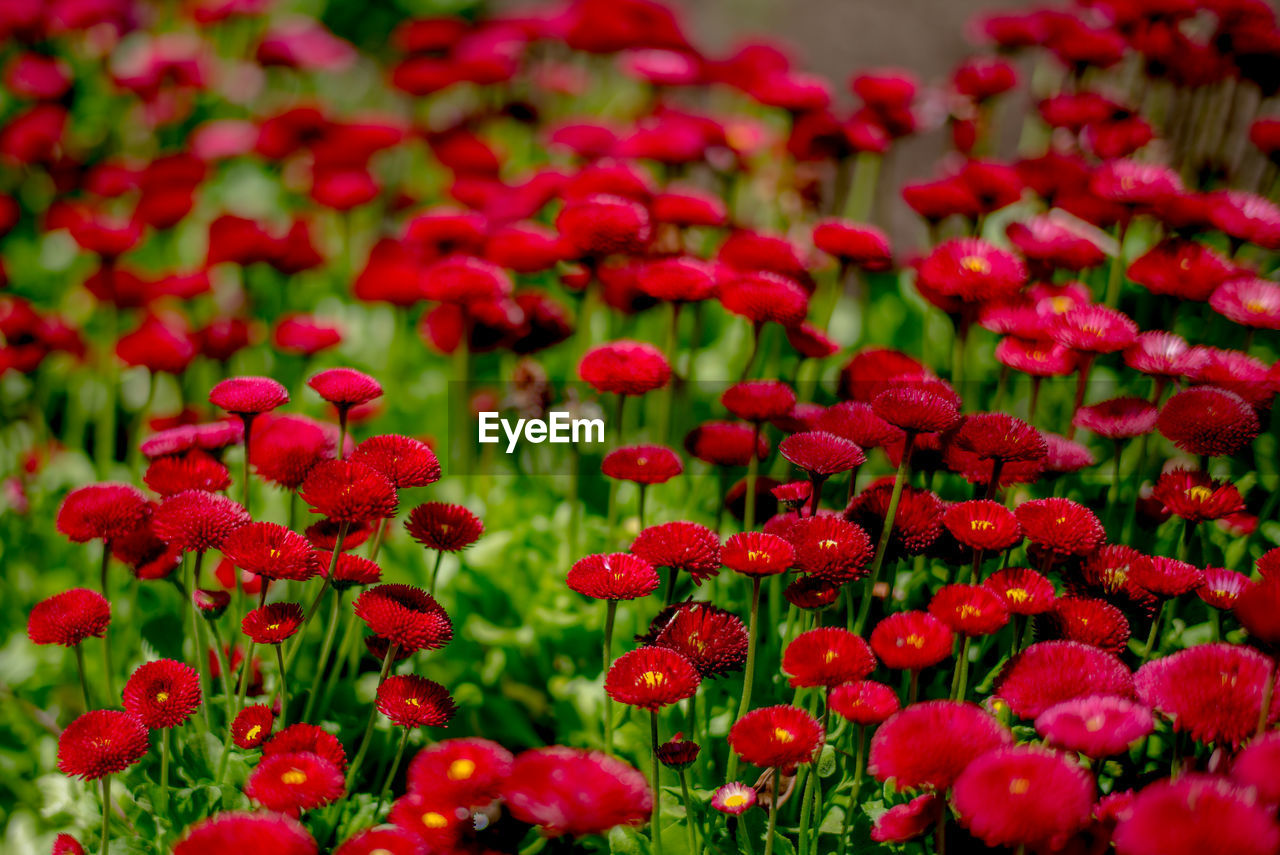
<point x="508" y="430"/>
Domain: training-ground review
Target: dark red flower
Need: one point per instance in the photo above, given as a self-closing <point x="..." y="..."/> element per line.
<point x="856" y="244"/>
<point x="680" y="279"/>
<point x="969" y="609"/>
<point x="412" y="701"/>
<point x="345" y="387"/>
<point x="996" y="436"/>
<point x="1180" y="267"/>
<point x="619" y="576"/>
<point x="195" y="470"/>
<point x="307" y="737"/>
<point x="911" y="641"/>
<point x="290" y="783"/>
<point x="778" y="736"/>
<point x="348" y="492"/>
<point x="602" y="225"/>
<point x="196" y="521"/>
<point x="754" y="553"/>
<point x="905" y="822"/>
<point x="1090" y="621"/>
<point x="1023" y="796"/>
<point x="820" y="453"/>
<point x="272" y="624"/>
<point x="827" y="657"/>
<point x="444" y="527"/>
<point x="642" y="464"/>
<point x="248" y="396"/>
<point x="1060" y="526"/>
<point x="651" y="678"/>
<point x="1025" y="592"/>
<point x="1165" y="577"/>
<point x="238" y="831"/>
<point x="857" y="422"/>
<point x="1093" y="329"/>
<point x="1205" y="420"/>
<point x="283" y="449"/>
<point x="1196" y="815"/>
<point x="69" y="618"/>
<point x="864" y="702"/>
<point x="712" y="639"/>
<point x="930" y="744"/>
<point x="763" y="297"/>
<point x="1097" y="726"/>
<point x="353" y="571"/>
<point x="625" y="368"/>
<point x="681" y="546"/>
<point x="1258" y="610"/>
<point x="758" y="400"/>
<point x="726" y="443"/>
<point x="918" y="407"/>
<point x="405" y="616"/>
<point x="252" y="726"/>
<point x="271" y="550"/>
<point x="101" y="742"/>
<point x="1050" y="672"/>
<point x="575" y="792"/>
<point x="465" y="281"/>
<point x="404" y="461"/>
<point x="830" y="548"/>
<point x="101" y="511"/>
<point x="162" y="693"/>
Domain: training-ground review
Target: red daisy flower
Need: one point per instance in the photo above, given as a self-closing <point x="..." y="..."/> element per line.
<point x="162" y="693"/>
<point x="1023" y="796"/>
<point x="682" y="546"/>
<point x="348" y="492"/>
<point x="726" y="443"/>
<point x="678" y="280"/>
<point x="101" y="742"/>
<point x="651" y="678"/>
<point x="905" y="822"/>
<point x="411" y="701"/>
<point x="1093" y="329"/>
<point x="196" y="470"/>
<point x="1024" y="591"/>
<point x="1097" y="726"/>
<point x="1195" y="496"/>
<point x="754" y="553"/>
<point x="272" y="624"/>
<point x="1255" y="766"/>
<point x="235" y="831"/>
<point x="1036" y="358"/>
<point x="345" y="387"/>
<point x="763" y="297"/>
<point x="1196" y="815"/>
<point x="970" y="269"/>
<point x="443" y="527"/>
<point x="996" y="436"/>
<point x="65" y="844"/>
<point x="1050" y="672"/>
<point x="712" y="639"/>
<point x="857" y="422"/>
<point x="1118" y="418"/>
<point x="575" y="792"/>
<point x="918" y="407"/>
<point x="213" y="437"/>
<point x="826" y="656"/>
<point x="811" y="593"/>
<point x="642" y="464"/>
<point x="101" y="512"/>
<point x="758" y="400"/>
<point x="1222" y="587"/>
<point x="248" y="396"/>
<point x="830" y="548"/>
<point x="1047" y="244"/>
<point x="911" y="641"/>
<point x="1208" y="421"/>
<point x="305" y="335"/>
<point x="970" y="610"/>
<point x="1165" y="577"/>
<point x="1250" y="302"/>
<point x="983" y="524"/>
<point x="470" y="771"/>
<point x="1060" y="526"/>
<point x="463" y="280"/>
<point x="864" y="702"/>
<point x="1180" y="267"/>
<point x="283" y="449"/>
<point x="1234" y="371"/>
<point x="1158" y="353"/>
<point x="405" y="616"/>
<point x="734" y="798"/>
<point x="272" y="551"/>
<point x="435" y="819"/>
<point x="930" y="743"/>
<point x="1129" y="182"/>
<point x="69" y="618"/>
<point x="625" y="367"/>
<point x="916" y="525"/>
<point x="821" y="454"/>
<point x="290" y="783"/>
<point x="678" y="753"/>
<point x="252" y="726"/>
<point x="402" y="460"/>
<point x="855" y="244"/>
<point x="617" y="576"/>
<point x="381" y="841"/>
<point x="196" y="521"/>
<point x="307" y="737"/>
<point x="602" y="225"/>
<point x="353" y="571"/>
<point x="778" y="736"/>
<point x="1096" y="623"/>
<point x="1258" y="610"/>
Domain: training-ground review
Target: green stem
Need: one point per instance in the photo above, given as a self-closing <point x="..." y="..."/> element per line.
<point x="866" y="175"/>
<point x="1115" y="274"/>
<point x="326" y="647"/>
<point x="689" y="816"/>
<point x="108" y="673"/>
<point x="655" y="819"/>
<point x="753" y="473"/>
<point x="84" y="683"/>
<point x="961" y="674"/>
<point x="202" y="666"/>
<point x="106" y="814"/>
<point x="324" y="589"/>
<point x="773" y="813"/>
<point x="1154" y="636"/>
<point x="859" y="763"/>
<point x="162" y="797"/>
<point x="244" y="487"/>
<point x="435" y="572"/>
<point x="749" y="671"/>
<point x="284" y="687"/>
<point x="373" y="718"/>
<point x="391" y="776"/>
<point x="224" y="671"/>
<point x="104" y="438"/>
<point x="610" y="611"/>
<point x="873" y="575"/>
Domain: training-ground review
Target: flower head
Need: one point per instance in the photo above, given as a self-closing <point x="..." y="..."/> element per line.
<point x="101" y="742"/>
<point x="678" y="752"/>
<point x="252" y="726"/>
<point x="1097" y="726"/>
<point x="575" y="792"/>
<point x="970" y="269"/>
<point x="345" y="387"/>
<point x="69" y="618"/>
<point x="827" y="656"/>
<point x="444" y="527"/>
<point x="469" y="771"/>
<point x="754" y="553"/>
<point x="983" y="524"/>
<point x="101" y="512"/>
<point x="402" y="460"/>
<point x="680" y="545"/>
<point x="292" y="782"/>
<point x="162" y="693"/>
<point x="307" y="737"/>
<point x="196" y="521"/>
<point x="1060" y="526"/>
<point x="1206" y="420"/>
<point x="1196" y="815"/>
<point x="911" y="641"/>
<point x="412" y="701"/>
<point x="272" y="624"/>
<point x="1195" y="496"/>
<point x="1258" y="610"/>
<point x="1024" y="591"/>
<point x="930" y="743"/>
<point x="762" y="297"/>
<point x="195" y="470"/>
<point x="617" y="576"/>
<point x="918" y="407"/>
<point x="405" y="616"/>
<point x="236" y="831"/>
<point x="248" y="396"/>
<point x="1090" y="621"/>
<point x="651" y="678"/>
<point x="863" y="702"/>
<point x="381" y="841"/>
<point x="1250" y="302"/>
<point x="1255" y="766"/>
<point x="1212" y="691"/>
<point x="1023" y="796"/>
<point x="271" y="550"/>
<point x="971" y="610"/>
<point x="778" y="736"/>
<point x="348" y="492"/>
<point x="1118" y="418"/>
<point x="1050" y="672"/>
<point x="642" y="464"/>
<point x="726" y="443"/>
<point x="712" y="639"/>
<point x="820" y="453"/>
<point x="1222" y="587"/>
<point x="733" y="798"/>
<point x="758" y="400"/>
<point x="603" y="224"/>
<point x="283" y="449"/>
<point x="830" y="548"/>
<point x="1093" y="329"/>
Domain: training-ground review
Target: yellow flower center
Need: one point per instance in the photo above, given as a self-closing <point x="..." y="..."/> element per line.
<point x="735" y="800"/>
<point x="1199" y="493"/>
<point x="981" y="525"/>
<point x="161" y="697"/>
<point x="1058" y="305"/>
<point x="461" y="769"/>
<point x="294" y="777"/>
<point x="1094" y="723"/>
<point x="1017" y="595"/>
<point x="755" y="555"/>
<point x="253" y="732"/>
<point x="913" y="640"/>
<point x="1019" y="786"/>
<point x="653" y="679"/>
<point x="1256" y="307"/>
<point x="968" y="611"/>
<point x="783" y="735"/>
<point x="975" y="264"/>
<point x="431" y="819"/>
<point x="827" y="544"/>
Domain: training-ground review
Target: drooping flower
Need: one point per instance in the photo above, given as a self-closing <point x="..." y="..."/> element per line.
<point x="1023" y="796"/>
<point x="930" y="744"/>
<point x="239" y="831"/>
<point x="101" y="742"/>
<point x="444" y="527"/>
<point x="345" y="387"/>
<point x="617" y="576"/>
<point x="575" y="792"/>
<point x="911" y="641"/>
<point x="827" y="657"/>
<point x="1117" y="418"/>
<point x="1196" y="815"/>
<point x="1097" y="726"/>
<point x="69" y="618"/>
<point x="412" y="701"/>
<point x="1050" y="672"/>
<point x="162" y="693"/>
<point x="292" y="782"/>
<point x="778" y="736"/>
<point x="651" y="678"/>
<point x="405" y="616"/>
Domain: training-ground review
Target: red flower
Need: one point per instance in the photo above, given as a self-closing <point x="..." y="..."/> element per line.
<point x="1054" y="671"/>
<point x="65" y="844"/>
<point x="353" y="571"/>
<point x="911" y="641"/>
<point x="1025" y="592"/>
<point x="272" y="624"/>
<point x="779" y="736"/>
<point x="971" y="269"/>
<point x="252" y="726"/>
<point x="284" y="449"/>
<point x="970" y="610"/>
<point x="381" y="841"/>
<point x="404" y="461"/>
<point x="651" y="678"/>
<point x="1254" y="303"/>
<point x="443" y="527"/>
<point x="1129" y="182"/>
<point x="196" y="470"/>
<point x="733" y="798"/>
<point x="101" y="511"/>
<point x="348" y="492"/>
<point x="214" y="436"/>
<point x="101" y="742"/>
<point x="680" y="279"/>
<point x="1255" y="767"/>
<point x="918" y="407"/>
<point x="1048" y="244"/>
<point x="1036" y="358"/>
<point x="642" y="464"/>
<point x="1097" y="726"/>
<point x="619" y="576"/>
<point x="345" y="387"/>
<point x="996" y="436"/>
<point x="463" y="280"/>
<point x="293" y="782"/>
<point x="575" y="792"/>
<point x="826" y="656"/>
<point x="235" y="831"/>
<point x="983" y="524"/>
<point x="905" y="822"/>
<point x="1089" y="621"/>
<point x="726" y="443"/>
<point x="754" y="553"/>
<point x="930" y="744"/>
<point x="1118" y="418"/>
<point x="864" y="702"/>
<point x="603" y="225"/>
<point x="1180" y="267"/>
<point x="917" y="524"/>
<point x="524" y="247"/>
<point x="758" y="400"/>
<point x="1196" y="815"/>
<point x="434" y="819"/>
<point x="821" y="454"/>
<point x="625" y="367"/>
<point x="1165" y="577"/>
<point x="857" y="422"/>
<point x="1222" y="587"/>
<point x="69" y="618"/>
<point x="763" y="297"/>
<point x="405" y="616"/>
<point x="830" y="548"/>
<point x="712" y="639"/>
<point x="272" y="551"/>
<point x="1093" y="329"/>
<point x="1258" y="610"/>
<point x="196" y="521"/>
<point x="1023" y="796"/>
<point x="470" y="771"/>
<point x="162" y="693"/>
<point x="307" y="737"/>
<point x="1060" y="526"/>
<point x="1196" y="497"/>
<point x="855" y="244"/>
<point x="1208" y="421"/>
<point x="681" y="546"/>
<point x="411" y="701"/>
<point x="248" y="396"/>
